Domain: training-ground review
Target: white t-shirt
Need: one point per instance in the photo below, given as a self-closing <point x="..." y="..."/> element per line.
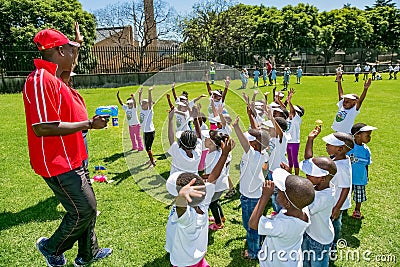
<point x="345" y="118"/>
<point x="212" y="158"/>
<point x="131" y="115"/>
<point x="217" y="104"/>
<point x="321" y="228"/>
<point x="182" y="121"/>
<point x="283" y="238"/>
<point x="366" y="68"/>
<point x="251" y="174"/>
<point x="294" y="128"/>
<point x="187" y="236"/>
<point x="278" y="151"/>
<point x="180" y="160"/>
<point x="146" y="120"/>
<point x="342" y="179"/>
<point x="357" y="70"/>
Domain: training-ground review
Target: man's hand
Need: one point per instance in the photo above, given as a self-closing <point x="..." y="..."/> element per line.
<point x="99" y="121"/>
<point x="78" y="36"/>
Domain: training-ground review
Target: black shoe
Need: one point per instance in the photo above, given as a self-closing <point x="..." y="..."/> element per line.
<point x="51" y="260"/>
<point x="101" y="254"/>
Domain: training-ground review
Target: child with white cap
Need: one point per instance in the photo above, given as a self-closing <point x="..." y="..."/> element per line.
<point x="283" y="231"/>
<point x="360" y="157"/>
<point x="255" y="144"/>
<point x="187" y="226"/>
<point x="317" y="239"/>
<point x="349" y="107"/>
<point x="337" y="145"/>
<point x="294" y="122"/>
<point x="218" y="99"/>
<point x="147" y="125"/>
<point x="130" y="109"/>
<point x="186" y="152"/>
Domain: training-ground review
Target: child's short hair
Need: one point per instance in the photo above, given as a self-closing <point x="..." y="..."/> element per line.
<point x="218" y="137"/>
<point x="346" y="138"/>
<point x="299" y="110"/>
<point x="188" y="140"/>
<point x="282" y="123"/>
<point x="203" y="117"/>
<point x="300" y="191"/>
<point x="356" y="128"/>
<point x="185" y="178"/>
<point x="185" y="93"/>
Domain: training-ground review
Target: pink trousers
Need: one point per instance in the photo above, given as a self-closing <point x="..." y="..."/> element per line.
<point x="134" y="132"/>
<point x="202" y="263"/>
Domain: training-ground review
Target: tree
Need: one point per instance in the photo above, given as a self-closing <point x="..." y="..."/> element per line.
<point x="381" y="3"/>
<point x="133" y="13"/>
<point x="21" y="20"/>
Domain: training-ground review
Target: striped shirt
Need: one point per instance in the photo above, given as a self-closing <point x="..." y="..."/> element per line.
<point x="47" y="99"/>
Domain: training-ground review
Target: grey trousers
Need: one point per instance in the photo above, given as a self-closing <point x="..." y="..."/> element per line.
<point x="74" y="190"/>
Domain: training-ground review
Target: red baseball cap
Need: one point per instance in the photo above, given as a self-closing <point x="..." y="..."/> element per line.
<point x="49" y="38"/>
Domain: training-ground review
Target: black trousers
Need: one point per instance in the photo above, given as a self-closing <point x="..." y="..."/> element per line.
<point x="148" y="140"/>
<point x="74" y="190"/>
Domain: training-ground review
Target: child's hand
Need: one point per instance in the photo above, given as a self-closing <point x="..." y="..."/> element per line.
<point x="255" y="92"/>
<point x="335" y="213"/>
<point x="227" y="146"/>
<point x="339" y="76"/>
<point x="189" y="191"/>
<point x="268" y="188"/>
<point x="314" y="133"/>
<point x="207" y="78"/>
<point x="285" y="166"/>
<point x="268" y="110"/>
<point x="118" y="93"/>
<point x="151" y="89"/>
<point x="140" y="90"/>
<point x="195" y="112"/>
<point x="227" y="82"/>
<point x="203" y="95"/>
<point x="249" y="111"/>
<point x="173" y="86"/>
<point x="367" y="83"/>
<point x="235" y="122"/>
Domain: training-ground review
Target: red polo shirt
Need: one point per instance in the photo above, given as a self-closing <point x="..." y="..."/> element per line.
<point x="48" y="99"/>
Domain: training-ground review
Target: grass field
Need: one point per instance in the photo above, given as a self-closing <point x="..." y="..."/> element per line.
<point x="134" y="208"/>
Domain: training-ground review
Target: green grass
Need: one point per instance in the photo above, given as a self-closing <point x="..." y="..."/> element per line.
<point x="134" y="208"/>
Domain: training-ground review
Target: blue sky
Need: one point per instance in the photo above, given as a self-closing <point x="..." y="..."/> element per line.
<point x="184" y="6"/>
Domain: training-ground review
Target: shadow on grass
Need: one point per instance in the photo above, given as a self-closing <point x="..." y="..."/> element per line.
<point x="160" y="156"/>
<point x="238" y="261"/>
<point x="114" y="157"/>
<point x="42" y="211"/>
<point x="350" y="226"/>
<point x="159" y="262"/>
<point x="120" y="177"/>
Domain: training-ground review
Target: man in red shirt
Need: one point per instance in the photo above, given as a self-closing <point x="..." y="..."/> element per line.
<point x="55" y="118"/>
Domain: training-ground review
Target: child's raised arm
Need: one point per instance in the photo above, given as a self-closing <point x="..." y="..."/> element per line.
<point x="367" y="84"/>
<point x="140" y="95"/>
<point x="227" y="83"/>
<point x="267" y="191"/>
<point x="292" y="112"/>
<point x="226" y="147"/>
<point x="242" y="139"/>
<point x="308" y="152"/>
<point x="171" y="106"/>
<point x="208" y="85"/>
<point x="150" y="98"/>
<point x="173" y="91"/>
<point x="278" y="128"/>
<point x="171" y="132"/>
<point x="196" y="116"/>
<point x="119" y="99"/>
<point x="339" y="85"/>
<point x="134" y="100"/>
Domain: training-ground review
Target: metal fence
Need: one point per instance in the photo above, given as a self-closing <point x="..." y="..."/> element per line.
<point x="18" y="61"/>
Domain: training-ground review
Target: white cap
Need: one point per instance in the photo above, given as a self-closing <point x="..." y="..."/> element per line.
<point x="216" y="93"/>
<point x="214" y="119"/>
<point x="280" y="94"/>
<point x="249" y="137"/>
<point x="274" y="105"/>
<point x="349" y="96"/>
<point x="129" y="101"/>
<point x="145" y="100"/>
<point x="268" y="123"/>
<point x="332" y="140"/>
<point x="181" y="104"/>
<point x="258" y="103"/>
<point x="182" y="97"/>
<point x="171" y="183"/>
<point x="310" y="168"/>
<point x="277" y="109"/>
<point x="367" y="128"/>
<point x="205" y="133"/>
<point x="279" y="176"/>
<point x="178" y="134"/>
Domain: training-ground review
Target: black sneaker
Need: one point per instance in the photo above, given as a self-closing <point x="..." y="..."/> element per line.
<point x="51" y="260"/>
<point x="101" y="254"/>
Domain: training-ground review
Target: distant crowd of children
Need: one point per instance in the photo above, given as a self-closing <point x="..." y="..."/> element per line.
<point x="307" y="212"/>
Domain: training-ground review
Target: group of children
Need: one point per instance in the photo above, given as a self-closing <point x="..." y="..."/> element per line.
<point x="306" y="213"/>
<point x="269" y="76"/>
